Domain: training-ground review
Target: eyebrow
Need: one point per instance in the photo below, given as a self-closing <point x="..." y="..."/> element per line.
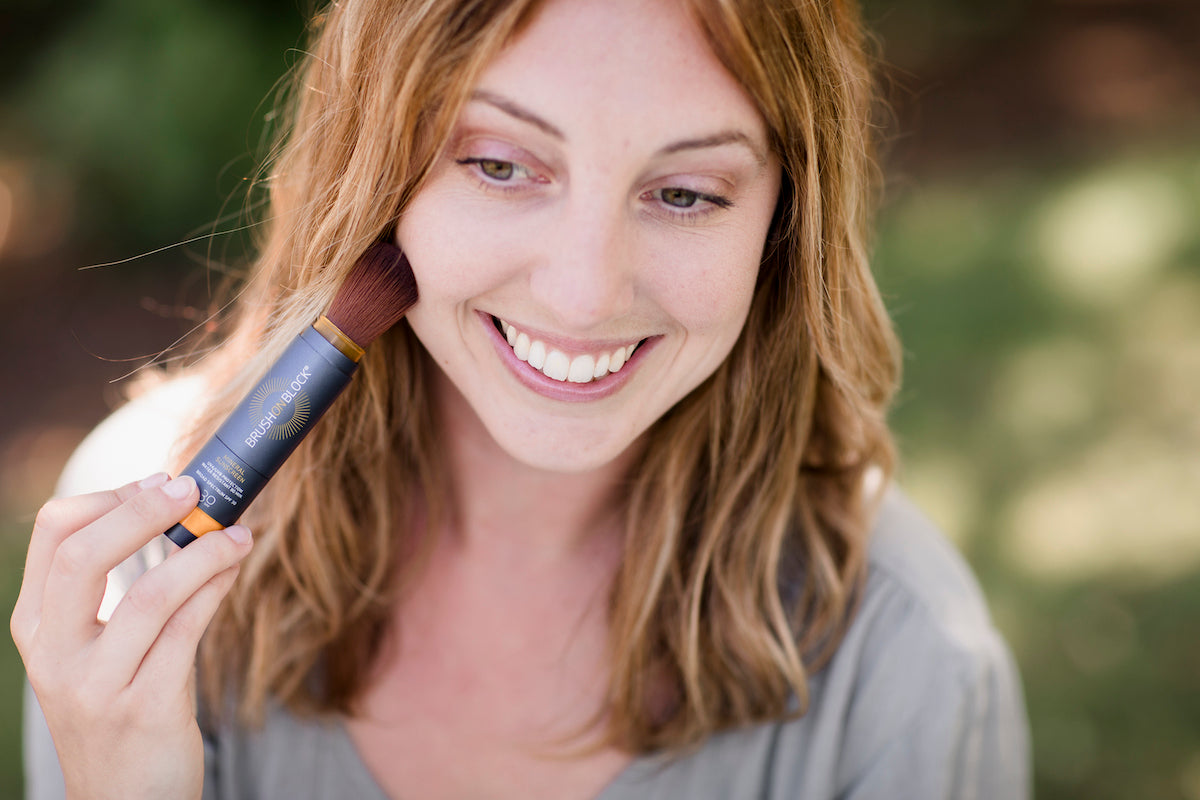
<point x="716" y="140"/>
<point x="525" y="115"/>
<point x="518" y="112"/>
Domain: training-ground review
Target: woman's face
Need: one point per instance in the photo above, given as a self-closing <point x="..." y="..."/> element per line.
<point x="600" y="210"/>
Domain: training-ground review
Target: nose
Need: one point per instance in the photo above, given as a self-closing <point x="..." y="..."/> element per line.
<point x="586" y="273"/>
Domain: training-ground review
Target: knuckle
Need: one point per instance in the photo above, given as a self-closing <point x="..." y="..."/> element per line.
<point x="123" y="494"/>
<point x="90" y="704"/>
<point x="226" y="578"/>
<point x="220" y="551"/>
<point x="43" y="685"/>
<point x="126" y="707"/>
<point x="18" y="626"/>
<point x="145" y="597"/>
<point x="147" y="506"/>
<point x="73" y="557"/>
<point x="56" y="687"/>
<point x="182" y="628"/>
<point x="52" y="516"/>
<point x="222" y="582"/>
<point x="36" y="662"/>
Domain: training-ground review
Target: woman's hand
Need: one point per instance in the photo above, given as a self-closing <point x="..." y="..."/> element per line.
<point x="118" y="697"/>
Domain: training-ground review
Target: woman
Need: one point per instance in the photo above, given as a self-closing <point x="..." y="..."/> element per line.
<point x="487" y="576"/>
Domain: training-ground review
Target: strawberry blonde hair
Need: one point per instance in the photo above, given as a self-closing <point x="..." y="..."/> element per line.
<point x="746" y="524"/>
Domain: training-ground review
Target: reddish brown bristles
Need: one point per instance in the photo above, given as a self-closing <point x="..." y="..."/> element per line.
<point x="378" y="291"/>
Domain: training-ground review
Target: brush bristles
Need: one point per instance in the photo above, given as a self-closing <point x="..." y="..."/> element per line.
<point x="378" y="291"/>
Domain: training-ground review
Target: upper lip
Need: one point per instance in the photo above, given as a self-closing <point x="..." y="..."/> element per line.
<point x="567" y="344"/>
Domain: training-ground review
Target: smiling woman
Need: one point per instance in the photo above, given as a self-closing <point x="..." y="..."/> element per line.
<point x="609" y="514"/>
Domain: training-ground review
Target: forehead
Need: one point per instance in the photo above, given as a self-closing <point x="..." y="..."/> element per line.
<point x="604" y="64"/>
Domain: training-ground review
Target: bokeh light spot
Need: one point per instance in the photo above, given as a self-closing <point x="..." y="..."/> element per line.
<point x="6" y="213"/>
<point x="1049" y="388"/>
<point x="1103" y="237"/>
<point x="946" y="486"/>
<point x="1189" y="778"/>
<point x="1127" y="506"/>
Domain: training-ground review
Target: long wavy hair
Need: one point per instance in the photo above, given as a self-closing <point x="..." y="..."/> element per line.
<point x="747" y="519"/>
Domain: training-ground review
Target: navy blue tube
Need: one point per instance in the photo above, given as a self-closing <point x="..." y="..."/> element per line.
<point x="234" y="466"/>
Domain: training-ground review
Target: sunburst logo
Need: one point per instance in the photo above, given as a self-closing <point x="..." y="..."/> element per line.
<point x="278" y="409"/>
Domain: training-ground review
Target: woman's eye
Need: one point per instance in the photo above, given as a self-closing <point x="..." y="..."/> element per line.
<point x="500" y="170"/>
<point x="680" y="198"/>
<point x="688" y="201"/>
<point x="497" y="169"/>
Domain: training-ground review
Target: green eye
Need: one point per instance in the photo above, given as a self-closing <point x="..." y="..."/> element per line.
<point x="680" y="198"/>
<point x="499" y="170"/>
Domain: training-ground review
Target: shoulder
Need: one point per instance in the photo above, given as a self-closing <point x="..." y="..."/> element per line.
<point x="135" y="440"/>
<point x="923" y="681"/>
<point x="914" y="572"/>
<point x="293" y="757"/>
<point x="920" y="700"/>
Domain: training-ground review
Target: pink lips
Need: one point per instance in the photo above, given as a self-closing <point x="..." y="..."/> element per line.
<point x="561" y="390"/>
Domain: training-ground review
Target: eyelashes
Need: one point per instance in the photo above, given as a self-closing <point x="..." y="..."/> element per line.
<point x="687" y="198"/>
<point x="495" y="174"/>
<point x="499" y="170"/>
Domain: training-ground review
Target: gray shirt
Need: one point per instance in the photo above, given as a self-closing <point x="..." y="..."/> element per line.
<point x="922" y="700"/>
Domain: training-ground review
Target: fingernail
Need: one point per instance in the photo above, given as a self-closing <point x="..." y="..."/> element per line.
<point x="239" y="533"/>
<point x="180" y="487"/>
<point x="154" y="481"/>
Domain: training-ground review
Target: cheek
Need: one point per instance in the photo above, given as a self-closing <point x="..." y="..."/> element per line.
<point x="707" y="284"/>
<point x="722" y="273"/>
<point x="452" y="251"/>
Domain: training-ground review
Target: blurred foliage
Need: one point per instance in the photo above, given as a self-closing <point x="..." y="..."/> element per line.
<point x="1050" y="314"/>
<point x="156" y="111"/>
<point x="921" y="31"/>
<point x="13" y="535"/>
<point x="1049" y="307"/>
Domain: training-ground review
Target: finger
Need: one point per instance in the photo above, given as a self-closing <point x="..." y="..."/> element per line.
<point x="168" y="664"/>
<point x="155" y="599"/>
<point x="58" y="519"/>
<point x="76" y="579"/>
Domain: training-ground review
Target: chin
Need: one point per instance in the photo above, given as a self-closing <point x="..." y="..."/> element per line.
<point x="563" y="453"/>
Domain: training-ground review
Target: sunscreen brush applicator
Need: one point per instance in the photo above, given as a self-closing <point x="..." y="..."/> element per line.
<point x="263" y="430"/>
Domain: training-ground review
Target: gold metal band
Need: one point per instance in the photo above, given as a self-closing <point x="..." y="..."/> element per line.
<point x="338" y="339"/>
<point x="200" y="523"/>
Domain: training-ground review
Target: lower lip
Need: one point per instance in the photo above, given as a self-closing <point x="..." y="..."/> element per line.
<point x="562" y="390"/>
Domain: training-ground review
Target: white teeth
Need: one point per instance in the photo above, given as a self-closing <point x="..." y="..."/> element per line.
<point x="557" y="365"/>
<point x="537" y="354"/>
<point x="617" y="361"/>
<point x="581" y="370"/>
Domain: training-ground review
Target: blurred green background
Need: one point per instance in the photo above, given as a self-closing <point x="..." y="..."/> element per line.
<point x="1039" y="249"/>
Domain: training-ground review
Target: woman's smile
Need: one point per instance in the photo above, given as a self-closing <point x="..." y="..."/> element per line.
<point x="561" y="366"/>
<point x="563" y="369"/>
